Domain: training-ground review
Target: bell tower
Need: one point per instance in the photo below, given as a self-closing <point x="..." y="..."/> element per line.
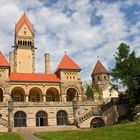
<point x="22" y="59"/>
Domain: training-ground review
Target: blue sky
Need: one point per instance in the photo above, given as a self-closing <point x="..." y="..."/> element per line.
<point x="84" y="28"/>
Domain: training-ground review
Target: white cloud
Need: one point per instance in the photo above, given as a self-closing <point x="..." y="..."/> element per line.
<point x="66" y="26"/>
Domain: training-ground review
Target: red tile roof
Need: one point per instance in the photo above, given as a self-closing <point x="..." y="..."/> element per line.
<point x="99" y="69"/>
<point x="67" y="63"/>
<point x="3" y="61"/>
<point x="22" y="20"/>
<point x="33" y="77"/>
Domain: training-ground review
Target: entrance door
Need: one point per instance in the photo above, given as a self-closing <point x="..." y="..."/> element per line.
<point x="20" y="119"/>
<point x="41" y="119"/>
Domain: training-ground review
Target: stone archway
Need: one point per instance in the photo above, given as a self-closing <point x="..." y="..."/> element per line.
<point x="35" y="95"/>
<point x="41" y="118"/>
<point x="20" y="119"/>
<point x="71" y="94"/>
<point x="1" y="95"/>
<point x="18" y="94"/>
<point x="62" y="117"/>
<point x="97" y="122"/>
<point x="52" y="94"/>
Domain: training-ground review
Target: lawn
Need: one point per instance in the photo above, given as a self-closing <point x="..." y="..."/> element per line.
<point x="130" y="131"/>
<point x="10" y="136"/>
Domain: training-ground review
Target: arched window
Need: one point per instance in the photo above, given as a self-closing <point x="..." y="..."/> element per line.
<point x="25" y="43"/>
<point x="97" y="122"/>
<point x="20" y="119"/>
<point x="35" y="95"/>
<point x="52" y="95"/>
<point x="1" y="95"/>
<point x="71" y="94"/>
<point x="41" y="118"/>
<point x="18" y="94"/>
<point x="62" y="117"/>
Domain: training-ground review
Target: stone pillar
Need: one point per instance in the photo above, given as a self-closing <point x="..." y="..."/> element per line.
<point x="10" y="115"/>
<point x="26" y="98"/>
<point x="44" y="98"/>
<point x="64" y="98"/>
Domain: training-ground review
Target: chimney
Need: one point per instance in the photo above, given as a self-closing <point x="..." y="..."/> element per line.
<point x="47" y="63"/>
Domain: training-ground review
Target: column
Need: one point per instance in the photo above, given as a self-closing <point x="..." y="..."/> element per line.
<point x="44" y="98"/>
<point x="26" y="98"/>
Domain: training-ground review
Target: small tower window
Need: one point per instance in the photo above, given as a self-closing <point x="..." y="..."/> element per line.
<point x="25" y="42"/>
<point x="24" y="32"/>
<point x="98" y="78"/>
<point x="105" y="77"/>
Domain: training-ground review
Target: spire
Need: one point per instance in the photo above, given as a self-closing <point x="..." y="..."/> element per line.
<point x="22" y="20"/>
<point x="67" y="63"/>
<point x="99" y="69"/>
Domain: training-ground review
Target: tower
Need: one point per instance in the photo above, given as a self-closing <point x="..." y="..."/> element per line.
<point x="22" y="58"/>
<point x="100" y="75"/>
<point x="69" y="73"/>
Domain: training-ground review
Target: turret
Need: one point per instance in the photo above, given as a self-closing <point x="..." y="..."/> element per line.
<point x="100" y="75"/>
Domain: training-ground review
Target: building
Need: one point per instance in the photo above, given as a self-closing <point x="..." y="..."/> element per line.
<point x="50" y="98"/>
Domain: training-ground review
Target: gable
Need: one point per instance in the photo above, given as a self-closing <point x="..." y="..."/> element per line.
<point x="24" y="31"/>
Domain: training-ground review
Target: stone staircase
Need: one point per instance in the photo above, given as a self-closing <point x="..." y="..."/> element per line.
<point x="93" y="112"/>
<point x="96" y="111"/>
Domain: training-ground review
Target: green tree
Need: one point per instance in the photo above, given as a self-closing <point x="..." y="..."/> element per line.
<point x="89" y="92"/>
<point x="93" y="90"/>
<point x="127" y="69"/>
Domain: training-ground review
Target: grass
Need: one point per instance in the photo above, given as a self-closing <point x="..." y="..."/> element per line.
<point x="130" y="131"/>
<point x="10" y="136"/>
